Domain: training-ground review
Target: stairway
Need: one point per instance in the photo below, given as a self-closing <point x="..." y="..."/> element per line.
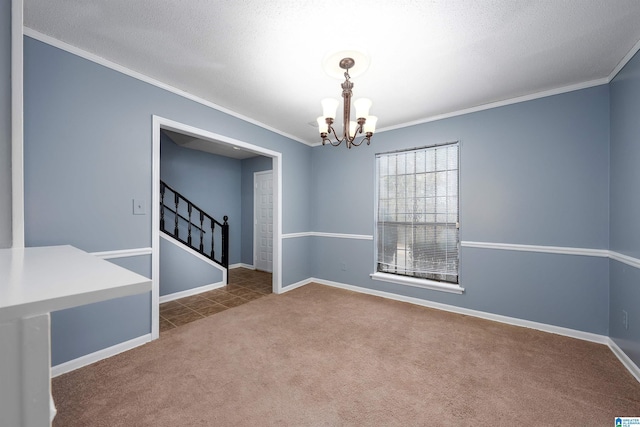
<point x="193" y="227"/>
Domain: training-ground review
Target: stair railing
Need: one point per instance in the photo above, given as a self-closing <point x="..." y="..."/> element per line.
<point x="179" y="216"/>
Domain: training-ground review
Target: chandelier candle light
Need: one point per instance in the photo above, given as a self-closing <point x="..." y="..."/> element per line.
<point x="366" y="124"/>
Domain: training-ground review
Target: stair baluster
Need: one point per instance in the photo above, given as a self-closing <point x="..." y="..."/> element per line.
<point x="213" y="252"/>
<point x="176" y="231"/>
<point x="189" y="209"/>
<point x="162" y="190"/>
<point x="201" y="231"/>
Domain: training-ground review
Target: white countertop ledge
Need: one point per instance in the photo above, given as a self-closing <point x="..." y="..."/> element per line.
<point x="40" y="280"/>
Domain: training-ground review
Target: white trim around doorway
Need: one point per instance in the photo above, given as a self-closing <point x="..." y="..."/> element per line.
<point x="17" y="124"/>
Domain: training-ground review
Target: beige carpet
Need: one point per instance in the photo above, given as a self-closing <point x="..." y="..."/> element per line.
<point x="319" y="356"/>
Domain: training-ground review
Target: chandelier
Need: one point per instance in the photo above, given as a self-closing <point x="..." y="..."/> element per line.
<point x="350" y="129"/>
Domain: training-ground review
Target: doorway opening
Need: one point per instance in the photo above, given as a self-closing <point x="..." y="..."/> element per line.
<point x="209" y="139"/>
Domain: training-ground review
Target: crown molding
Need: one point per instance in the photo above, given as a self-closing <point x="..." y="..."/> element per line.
<point x="624" y="61"/>
<point x="543" y="94"/>
<point x="489" y="106"/>
<point x="142" y="77"/>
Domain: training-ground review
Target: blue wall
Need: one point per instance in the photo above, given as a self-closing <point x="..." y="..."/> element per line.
<point x="299" y="259"/>
<point x="88" y="152"/>
<point x="533" y="173"/>
<point x="5" y="123"/>
<point x="211" y="182"/>
<point x="624" y="291"/>
<point x="181" y="271"/>
<point x="249" y="167"/>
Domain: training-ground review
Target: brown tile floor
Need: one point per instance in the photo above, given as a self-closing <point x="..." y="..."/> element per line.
<point x="244" y="285"/>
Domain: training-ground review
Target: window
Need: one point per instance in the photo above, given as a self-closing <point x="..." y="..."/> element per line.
<point x="417" y="213"/>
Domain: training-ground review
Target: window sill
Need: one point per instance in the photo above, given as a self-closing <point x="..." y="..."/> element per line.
<point x="418" y="283"/>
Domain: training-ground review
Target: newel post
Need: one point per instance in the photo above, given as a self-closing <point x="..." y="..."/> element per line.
<point x="225" y="243"/>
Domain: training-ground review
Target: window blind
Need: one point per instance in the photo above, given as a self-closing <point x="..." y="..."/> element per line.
<point x="417" y="214"/>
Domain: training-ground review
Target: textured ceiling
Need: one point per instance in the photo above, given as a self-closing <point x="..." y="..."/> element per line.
<point x="263" y="59"/>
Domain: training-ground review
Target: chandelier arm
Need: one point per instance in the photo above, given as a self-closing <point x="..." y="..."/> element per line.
<point x="361" y="141"/>
<point x="338" y="140"/>
<point x="367" y="136"/>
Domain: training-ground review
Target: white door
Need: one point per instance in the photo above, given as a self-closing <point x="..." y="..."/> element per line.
<point x="263" y="221"/>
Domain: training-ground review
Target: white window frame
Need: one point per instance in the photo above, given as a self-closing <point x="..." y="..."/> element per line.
<point x="408" y="280"/>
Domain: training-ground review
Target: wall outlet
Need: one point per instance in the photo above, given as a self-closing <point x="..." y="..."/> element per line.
<point x="625" y="319"/>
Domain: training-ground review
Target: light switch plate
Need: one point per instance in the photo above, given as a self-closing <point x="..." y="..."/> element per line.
<point x="139" y="207"/>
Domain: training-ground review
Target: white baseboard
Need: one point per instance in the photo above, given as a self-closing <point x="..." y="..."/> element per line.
<point x="297" y="285"/>
<point x="190" y="292"/>
<point x="105" y="353"/>
<point x="586" y="336"/>
<point x="626" y="361"/>
<point x="241" y="265"/>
